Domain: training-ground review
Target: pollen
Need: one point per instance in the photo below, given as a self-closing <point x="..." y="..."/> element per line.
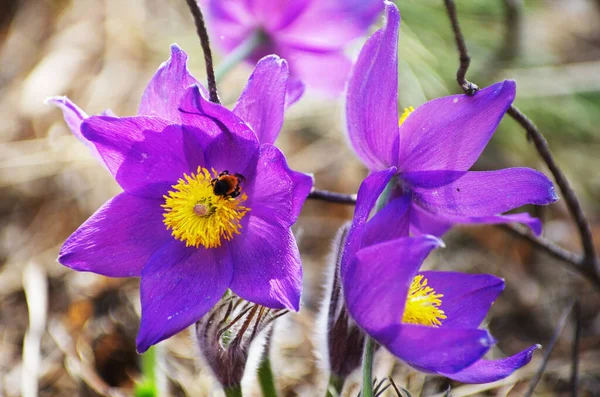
<point x="405" y="114"/>
<point x="199" y="217"/>
<point x="423" y="304"/>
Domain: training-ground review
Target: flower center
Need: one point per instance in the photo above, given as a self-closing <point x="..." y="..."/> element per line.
<point x="423" y="304"/>
<point x="405" y="114"/>
<point x="197" y="215"/>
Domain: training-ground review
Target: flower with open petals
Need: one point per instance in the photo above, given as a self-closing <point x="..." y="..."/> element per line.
<point x="208" y="201"/>
<point x="428" y="319"/>
<point x="310" y="34"/>
<point x="436" y="144"/>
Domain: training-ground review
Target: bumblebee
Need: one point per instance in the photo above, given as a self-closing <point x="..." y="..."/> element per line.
<point x="227" y="185"/>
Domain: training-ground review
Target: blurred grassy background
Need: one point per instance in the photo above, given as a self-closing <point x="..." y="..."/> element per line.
<point x="81" y="327"/>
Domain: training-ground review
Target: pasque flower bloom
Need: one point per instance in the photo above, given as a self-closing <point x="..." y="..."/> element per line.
<point x="208" y="201"/>
<point x="310" y="34"/>
<point x="428" y="319"/>
<point x="435" y="145"/>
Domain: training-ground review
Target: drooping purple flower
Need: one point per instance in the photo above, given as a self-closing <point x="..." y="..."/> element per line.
<point x="428" y="319"/>
<point x="208" y="201"/>
<point x="310" y="34"/>
<point x="435" y="145"/>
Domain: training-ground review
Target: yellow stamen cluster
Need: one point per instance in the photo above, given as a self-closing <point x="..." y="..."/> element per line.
<point x="405" y="114"/>
<point x="422" y="304"/>
<point x="198" y="216"/>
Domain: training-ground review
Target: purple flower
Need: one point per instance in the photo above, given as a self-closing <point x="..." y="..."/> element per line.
<point x="208" y="201"/>
<point x="310" y="34"/>
<point x="435" y="145"/>
<point x="428" y="319"/>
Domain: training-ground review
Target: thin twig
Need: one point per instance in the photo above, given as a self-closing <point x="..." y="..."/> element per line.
<point x="205" y="43"/>
<point x="590" y="266"/>
<point x="465" y="60"/>
<point x="332" y="197"/>
<point x="575" y="352"/>
<point x="557" y="331"/>
<point x="585" y="232"/>
<point x="575" y="261"/>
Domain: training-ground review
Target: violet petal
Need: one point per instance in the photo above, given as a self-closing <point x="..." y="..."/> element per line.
<point x="165" y="89"/>
<point x="180" y="285"/>
<point x="368" y="193"/>
<point x="485" y="371"/>
<point x="466" y="297"/>
<point x="323" y="71"/>
<point x="376" y="283"/>
<point x="424" y="222"/>
<point x="484" y="193"/>
<point x="450" y="133"/>
<point x="267" y="267"/>
<point x="262" y="102"/>
<point x="140" y="150"/>
<point x="330" y="24"/>
<point x="234" y="144"/>
<point x="118" y="239"/>
<point x="113" y="136"/>
<point x="436" y="350"/>
<point x="74" y="116"/>
<point x="294" y="91"/>
<point x="390" y="223"/>
<point x="372" y="97"/>
<point x="276" y="193"/>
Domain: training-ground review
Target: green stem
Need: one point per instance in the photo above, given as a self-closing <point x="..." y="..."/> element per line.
<point x="147" y="387"/>
<point x="367" y="386"/>
<point x="234" y="391"/>
<point x="266" y="379"/>
<point x="336" y="384"/>
<point x="384" y="197"/>
<point x="240" y="53"/>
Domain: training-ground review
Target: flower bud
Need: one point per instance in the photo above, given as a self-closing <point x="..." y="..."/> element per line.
<point x="343" y="340"/>
<point x="225" y="334"/>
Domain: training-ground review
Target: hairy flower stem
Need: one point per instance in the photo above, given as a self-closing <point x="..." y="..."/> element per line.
<point x="367" y="370"/>
<point x="234" y="391"/>
<point x="240" y="53"/>
<point x="205" y="43"/>
<point x="266" y="379"/>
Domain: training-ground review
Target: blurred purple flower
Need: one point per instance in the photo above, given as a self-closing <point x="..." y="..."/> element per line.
<point x="428" y="319"/>
<point x="436" y="144"/>
<point x="188" y="240"/>
<point x="310" y="34"/>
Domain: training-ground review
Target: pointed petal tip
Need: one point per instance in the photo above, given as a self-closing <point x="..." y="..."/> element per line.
<point x="295" y="305"/>
<point x="509" y="87"/>
<point x="177" y="51"/>
<point x="273" y="57"/>
<point x="553" y="195"/>
<point x="55" y="100"/>
<point x="392" y="13"/>
<point x="435" y="242"/>
<point x="141" y="345"/>
<point x="488" y="340"/>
